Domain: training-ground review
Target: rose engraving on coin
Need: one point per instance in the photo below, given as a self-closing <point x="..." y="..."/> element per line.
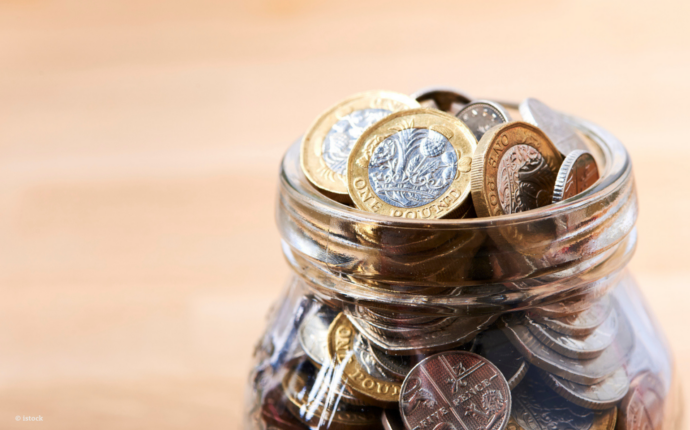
<point x="327" y="144"/>
<point x="513" y="170"/>
<point x="455" y="390"/>
<point x="412" y="168"/>
<point x="481" y="115"/>
<point x="577" y="173"/>
<point x="553" y="123"/>
<point x="413" y="164"/>
<point x="536" y="407"/>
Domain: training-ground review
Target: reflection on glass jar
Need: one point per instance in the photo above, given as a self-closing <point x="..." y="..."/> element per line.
<point x="526" y="321"/>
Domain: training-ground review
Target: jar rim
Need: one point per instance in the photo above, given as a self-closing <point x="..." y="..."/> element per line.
<point x="614" y="173"/>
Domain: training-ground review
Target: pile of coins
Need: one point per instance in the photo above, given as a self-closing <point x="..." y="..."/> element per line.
<point x="571" y="364"/>
<point x="438" y="154"/>
<point x="534" y="370"/>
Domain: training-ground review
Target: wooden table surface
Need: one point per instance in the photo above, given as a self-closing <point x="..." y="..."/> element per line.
<point x="139" y="148"/>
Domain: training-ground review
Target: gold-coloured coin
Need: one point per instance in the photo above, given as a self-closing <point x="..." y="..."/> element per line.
<point x="514" y="170"/>
<point x="315" y="404"/>
<point x="413" y="164"/>
<point x="328" y="142"/>
<point x="359" y="372"/>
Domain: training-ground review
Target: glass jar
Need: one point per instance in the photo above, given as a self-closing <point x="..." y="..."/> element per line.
<point x="540" y="298"/>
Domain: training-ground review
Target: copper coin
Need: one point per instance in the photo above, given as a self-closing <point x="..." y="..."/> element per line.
<point x="536" y="407"/>
<point x="443" y="98"/>
<point x="643" y="406"/>
<point x="455" y="390"/>
<point x="275" y="413"/>
<point x="391" y="420"/>
<point x="577" y="173"/>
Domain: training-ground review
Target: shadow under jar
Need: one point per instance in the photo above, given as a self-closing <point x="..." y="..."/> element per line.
<point x="525" y="321"/>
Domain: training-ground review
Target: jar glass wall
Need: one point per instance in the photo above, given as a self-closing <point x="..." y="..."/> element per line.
<point x="537" y="320"/>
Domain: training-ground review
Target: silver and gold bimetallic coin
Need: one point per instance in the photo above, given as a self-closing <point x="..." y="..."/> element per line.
<point x="413" y="164"/>
<point x="554" y="124"/>
<point x="328" y="142"/>
<point x="447" y="99"/>
<point x="313" y="334"/>
<point x="514" y="170"/>
<point x="320" y="406"/>
<point x="577" y="173"/>
<point x="481" y="115"/>
<point x="360" y="371"/>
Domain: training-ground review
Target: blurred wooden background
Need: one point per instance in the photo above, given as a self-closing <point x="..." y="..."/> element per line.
<point x="139" y="147"/>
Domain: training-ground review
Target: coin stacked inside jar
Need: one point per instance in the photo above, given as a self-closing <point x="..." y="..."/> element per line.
<point x="439" y="154"/>
<point x="556" y="364"/>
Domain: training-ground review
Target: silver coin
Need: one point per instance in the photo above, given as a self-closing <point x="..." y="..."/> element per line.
<point x="363" y="354"/>
<point x="401" y="331"/>
<point x="342" y="136"/>
<point x="586" y="372"/>
<point x="429" y="168"/>
<point x="602" y="395"/>
<point x="581" y="347"/>
<point x="578" y="172"/>
<point x="396" y="365"/>
<point x="536" y="407"/>
<point x="313" y="334"/>
<point x="580" y="324"/>
<point x="446" y="99"/>
<point x="389" y="317"/>
<point x="553" y="123"/>
<point x="461" y="331"/>
<point x="481" y="115"/>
